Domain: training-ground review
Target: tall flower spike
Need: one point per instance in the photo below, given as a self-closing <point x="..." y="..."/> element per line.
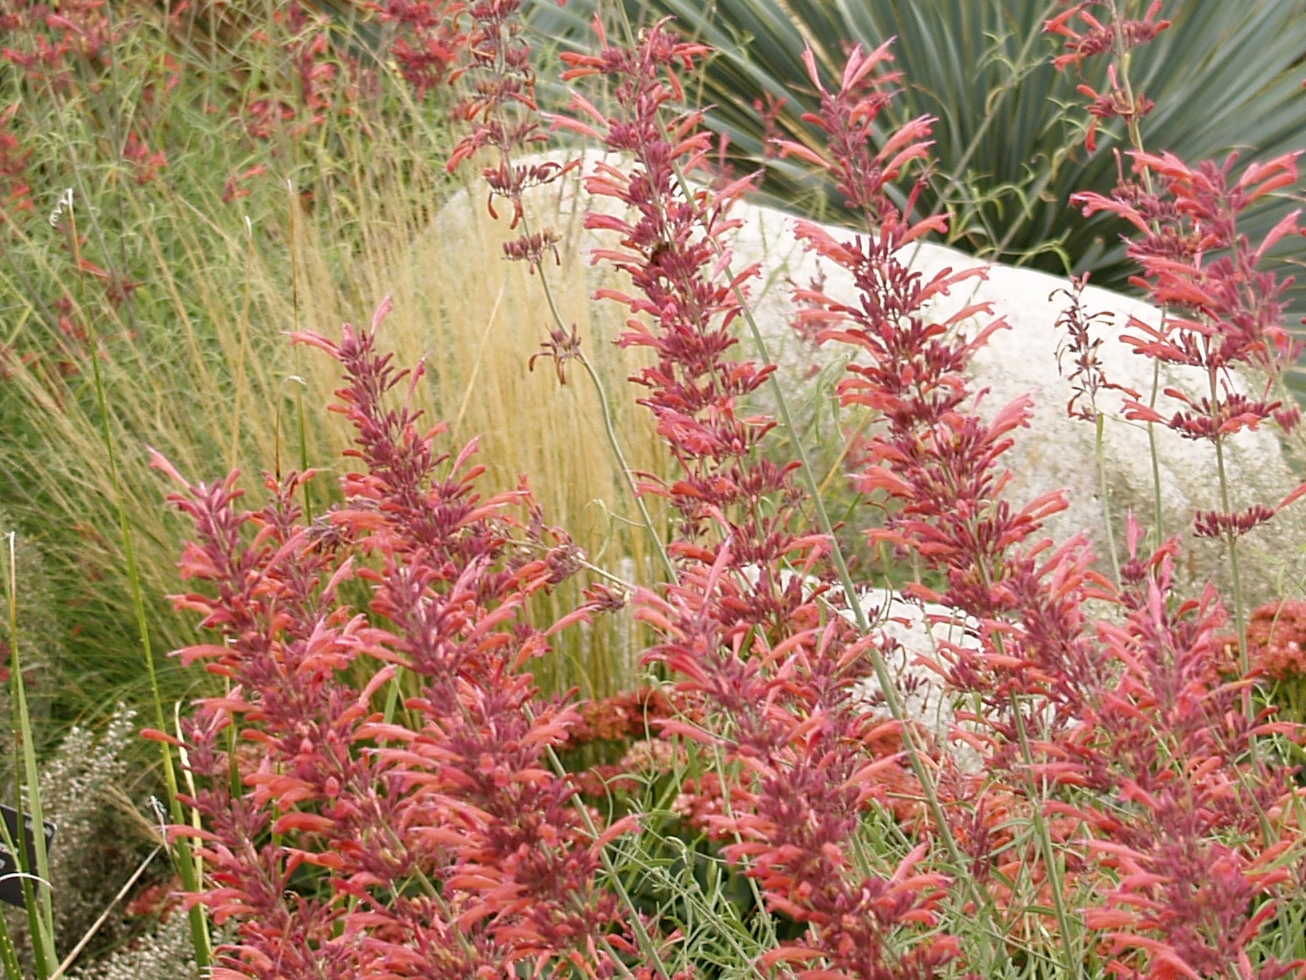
<point x="742" y="625"/>
<point x="440" y="842"/>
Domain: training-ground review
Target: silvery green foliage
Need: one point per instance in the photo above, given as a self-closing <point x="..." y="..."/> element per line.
<point x="91" y="858"/>
<point x="164" y="954"/>
<point x="94" y="850"/>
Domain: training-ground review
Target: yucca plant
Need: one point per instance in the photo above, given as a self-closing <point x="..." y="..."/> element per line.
<point x="1010" y="132"/>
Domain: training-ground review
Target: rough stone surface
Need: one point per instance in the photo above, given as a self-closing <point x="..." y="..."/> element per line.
<point x="920" y="632"/>
<point x="1055" y="451"/>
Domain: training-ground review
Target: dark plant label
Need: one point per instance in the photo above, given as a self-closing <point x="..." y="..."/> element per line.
<point x="11" y="885"/>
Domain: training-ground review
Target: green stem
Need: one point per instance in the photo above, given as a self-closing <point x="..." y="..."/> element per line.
<point x="1239" y="613"/>
<point x="8" y="956"/>
<point x="1231" y="538"/>
<point x="1074" y="960"/>
<point x="1136" y="141"/>
<point x="610" y="430"/>
<point x="626" y="470"/>
<point x="299" y="394"/>
<point x="185" y="864"/>
<point x="1159" y="528"/>
<point x="642" y="936"/>
<point x="1104" y="489"/>
<point x="40" y="929"/>
<point x="887" y="686"/>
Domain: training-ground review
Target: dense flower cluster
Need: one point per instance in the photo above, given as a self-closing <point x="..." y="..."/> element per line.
<point x="427" y="839"/>
<point x="390" y="803"/>
<point x="429" y="42"/>
<point x="1120" y="745"/>
<point x="748" y="635"/>
<point x="1222" y="308"/>
<point x="1276" y="634"/>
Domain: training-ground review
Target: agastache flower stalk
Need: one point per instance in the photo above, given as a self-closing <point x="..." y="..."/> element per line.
<point x="1088" y="379"/>
<point x="800" y="750"/>
<point x="1136" y="715"/>
<point x="935" y="455"/>
<point x="1176" y="806"/>
<point x="938" y="459"/>
<point x="1227" y="311"/>
<point x="434" y="842"/>
<point x="673" y="248"/>
<point x="1220" y="309"/>
<point x="1119" y="36"/>
<point x="505" y="118"/>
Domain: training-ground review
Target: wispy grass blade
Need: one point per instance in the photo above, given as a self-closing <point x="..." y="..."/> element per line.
<point x="36" y="894"/>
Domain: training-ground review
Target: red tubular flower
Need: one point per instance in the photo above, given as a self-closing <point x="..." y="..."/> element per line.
<point x="1097" y="37"/>
<point x="430" y="42"/>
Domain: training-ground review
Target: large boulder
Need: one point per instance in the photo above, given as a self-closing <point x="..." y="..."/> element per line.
<point x="1055" y="451"/>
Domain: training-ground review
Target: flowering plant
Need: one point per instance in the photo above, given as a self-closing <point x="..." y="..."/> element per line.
<point x="393" y="806"/>
<point x="431" y="837"/>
